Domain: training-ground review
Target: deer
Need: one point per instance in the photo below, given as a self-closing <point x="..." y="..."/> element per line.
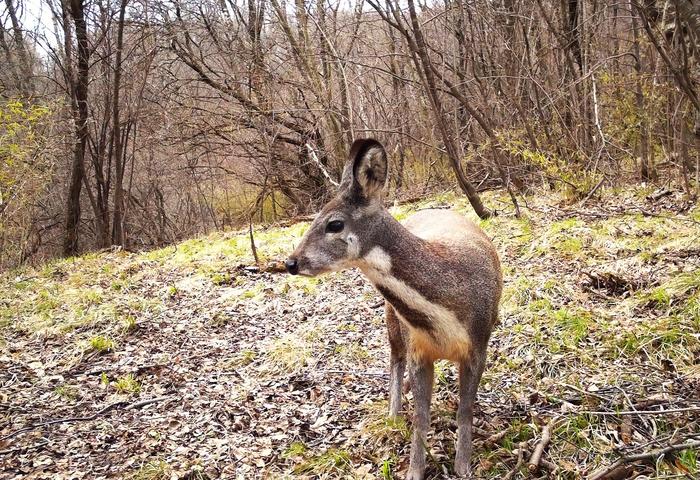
<point x="441" y="280"/>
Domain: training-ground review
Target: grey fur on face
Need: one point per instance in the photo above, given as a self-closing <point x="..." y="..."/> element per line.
<point x="358" y="205"/>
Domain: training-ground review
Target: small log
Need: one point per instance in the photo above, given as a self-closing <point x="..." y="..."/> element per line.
<point x="534" y="463"/>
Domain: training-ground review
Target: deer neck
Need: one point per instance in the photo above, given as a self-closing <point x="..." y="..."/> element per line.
<point x="392" y="246"/>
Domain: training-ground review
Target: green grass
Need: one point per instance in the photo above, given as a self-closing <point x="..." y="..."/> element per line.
<point x="127" y="384"/>
<point x="553" y="330"/>
<point x="353" y="352"/>
<point x="575" y="325"/>
<point x="66" y="392"/>
<point x="290" y="353"/>
<point x="381" y="428"/>
<point x="296" y="449"/>
<point x="690" y="460"/>
<point x="128" y="323"/>
<point x="387" y="466"/>
<point x="518" y="431"/>
<point x="333" y="461"/>
<point x="243" y="358"/>
<point x="153" y="470"/>
<point x="102" y="344"/>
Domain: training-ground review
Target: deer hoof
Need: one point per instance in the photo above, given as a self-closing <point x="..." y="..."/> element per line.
<point x="462" y="469"/>
<point x="415" y="474"/>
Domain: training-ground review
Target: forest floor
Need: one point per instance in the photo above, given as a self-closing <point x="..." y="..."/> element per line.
<point x="180" y="363"/>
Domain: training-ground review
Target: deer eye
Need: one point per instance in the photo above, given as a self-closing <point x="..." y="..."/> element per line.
<point x="335" y="226"/>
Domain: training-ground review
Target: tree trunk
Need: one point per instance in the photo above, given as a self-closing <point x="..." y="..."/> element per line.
<point x="26" y="83"/>
<point x="644" y="159"/>
<point x="118" y="233"/>
<point x="80" y="115"/>
<point x="421" y="60"/>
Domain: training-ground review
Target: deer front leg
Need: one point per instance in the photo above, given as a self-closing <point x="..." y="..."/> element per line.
<point x="398" y="360"/>
<point x="469" y="376"/>
<point x="422" y="387"/>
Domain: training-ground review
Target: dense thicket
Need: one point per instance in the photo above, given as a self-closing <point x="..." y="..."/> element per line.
<point x="138" y="122"/>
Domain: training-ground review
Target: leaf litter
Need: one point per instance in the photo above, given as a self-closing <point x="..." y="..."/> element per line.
<point x="179" y="363"/>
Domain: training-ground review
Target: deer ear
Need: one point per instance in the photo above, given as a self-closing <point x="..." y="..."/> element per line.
<point x="365" y="172"/>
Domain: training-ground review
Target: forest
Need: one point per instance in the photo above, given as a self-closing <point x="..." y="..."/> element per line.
<point x="160" y="160"/>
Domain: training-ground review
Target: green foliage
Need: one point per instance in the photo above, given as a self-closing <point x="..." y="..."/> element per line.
<point x="574" y="180"/>
<point x="690" y="460"/>
<point x="353" y="351"/>
<point x="243" y="358"/>
<point x="332" y="462"/>
<point x="128" y="323"/>
<point x="387" y="466"/>
<point x="127" y="384"/>
<point x="66" y="392"/>
<point x="574" y="428"/>
<point x="575" y="324"/>
<point x="102" y="344"/>
<point x="289" y="353"/>
<point x="296" y="449"/>
<point x="442" y="370"/>
<point x="383" y="428"/>
<point x="517" y="432"/>
<point x="26" y="167"/>
<point x="623" y="117"/>
<point x="153" y="470"/>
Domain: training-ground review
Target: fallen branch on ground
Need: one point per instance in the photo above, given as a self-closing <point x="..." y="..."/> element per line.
<point x="534" y="463"/>
<point x="126" y="405"/>
<point x="643" y="412"/>
<point x="604" y="473"/>
<point x="519" y="463"/>
<point x="275" y="266"/>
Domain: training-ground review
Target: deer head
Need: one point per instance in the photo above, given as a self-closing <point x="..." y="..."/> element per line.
<point x="346" y="228"/>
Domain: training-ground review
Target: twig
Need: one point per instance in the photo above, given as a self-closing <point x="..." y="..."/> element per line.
<point x="643" y="412"/>
<point x="350" y="372"/>
<point x="580" y="390"/>
<point x="516" y="468"/>
<point x="380" y="303"/>
<point x="320" y="165"/>
<point x="652" y="455"/>
<point x="148" y="401"/>
<point x="534" y="463"/>
<point x="548" y="465"/>
<point x="88" y="418"/>
<point x="495" y="438"/>
<point x="252" y="241"/>
<point x="592" y="192"/>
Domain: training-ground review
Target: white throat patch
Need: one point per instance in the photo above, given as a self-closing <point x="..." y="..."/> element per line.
<point x="450" y="339"/>
<point x="377" y="259"/>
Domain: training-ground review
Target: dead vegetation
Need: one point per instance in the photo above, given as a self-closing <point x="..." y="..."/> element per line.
<point x="179" y="363"/>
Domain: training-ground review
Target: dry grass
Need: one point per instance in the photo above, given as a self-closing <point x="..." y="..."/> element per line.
<point x="601" y="313"/>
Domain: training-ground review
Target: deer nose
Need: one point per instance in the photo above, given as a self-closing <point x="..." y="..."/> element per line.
<point x="292" y="266"/>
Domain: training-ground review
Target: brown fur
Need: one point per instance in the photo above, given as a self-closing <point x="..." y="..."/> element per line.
<point x="440" y="276"/>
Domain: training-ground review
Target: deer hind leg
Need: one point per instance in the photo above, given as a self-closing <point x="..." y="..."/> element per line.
<point x="422" y="386"/>
<point x="398" y="360"/>
<point x="469" y="375"/>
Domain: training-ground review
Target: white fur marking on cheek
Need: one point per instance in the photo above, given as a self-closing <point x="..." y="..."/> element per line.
<point x="353" y="245"/>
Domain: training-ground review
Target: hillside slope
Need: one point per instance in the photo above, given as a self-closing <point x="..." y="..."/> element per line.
<point x="178" y="363"/>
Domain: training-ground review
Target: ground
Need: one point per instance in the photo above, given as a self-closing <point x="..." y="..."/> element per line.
<point x="181" y="363"/>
